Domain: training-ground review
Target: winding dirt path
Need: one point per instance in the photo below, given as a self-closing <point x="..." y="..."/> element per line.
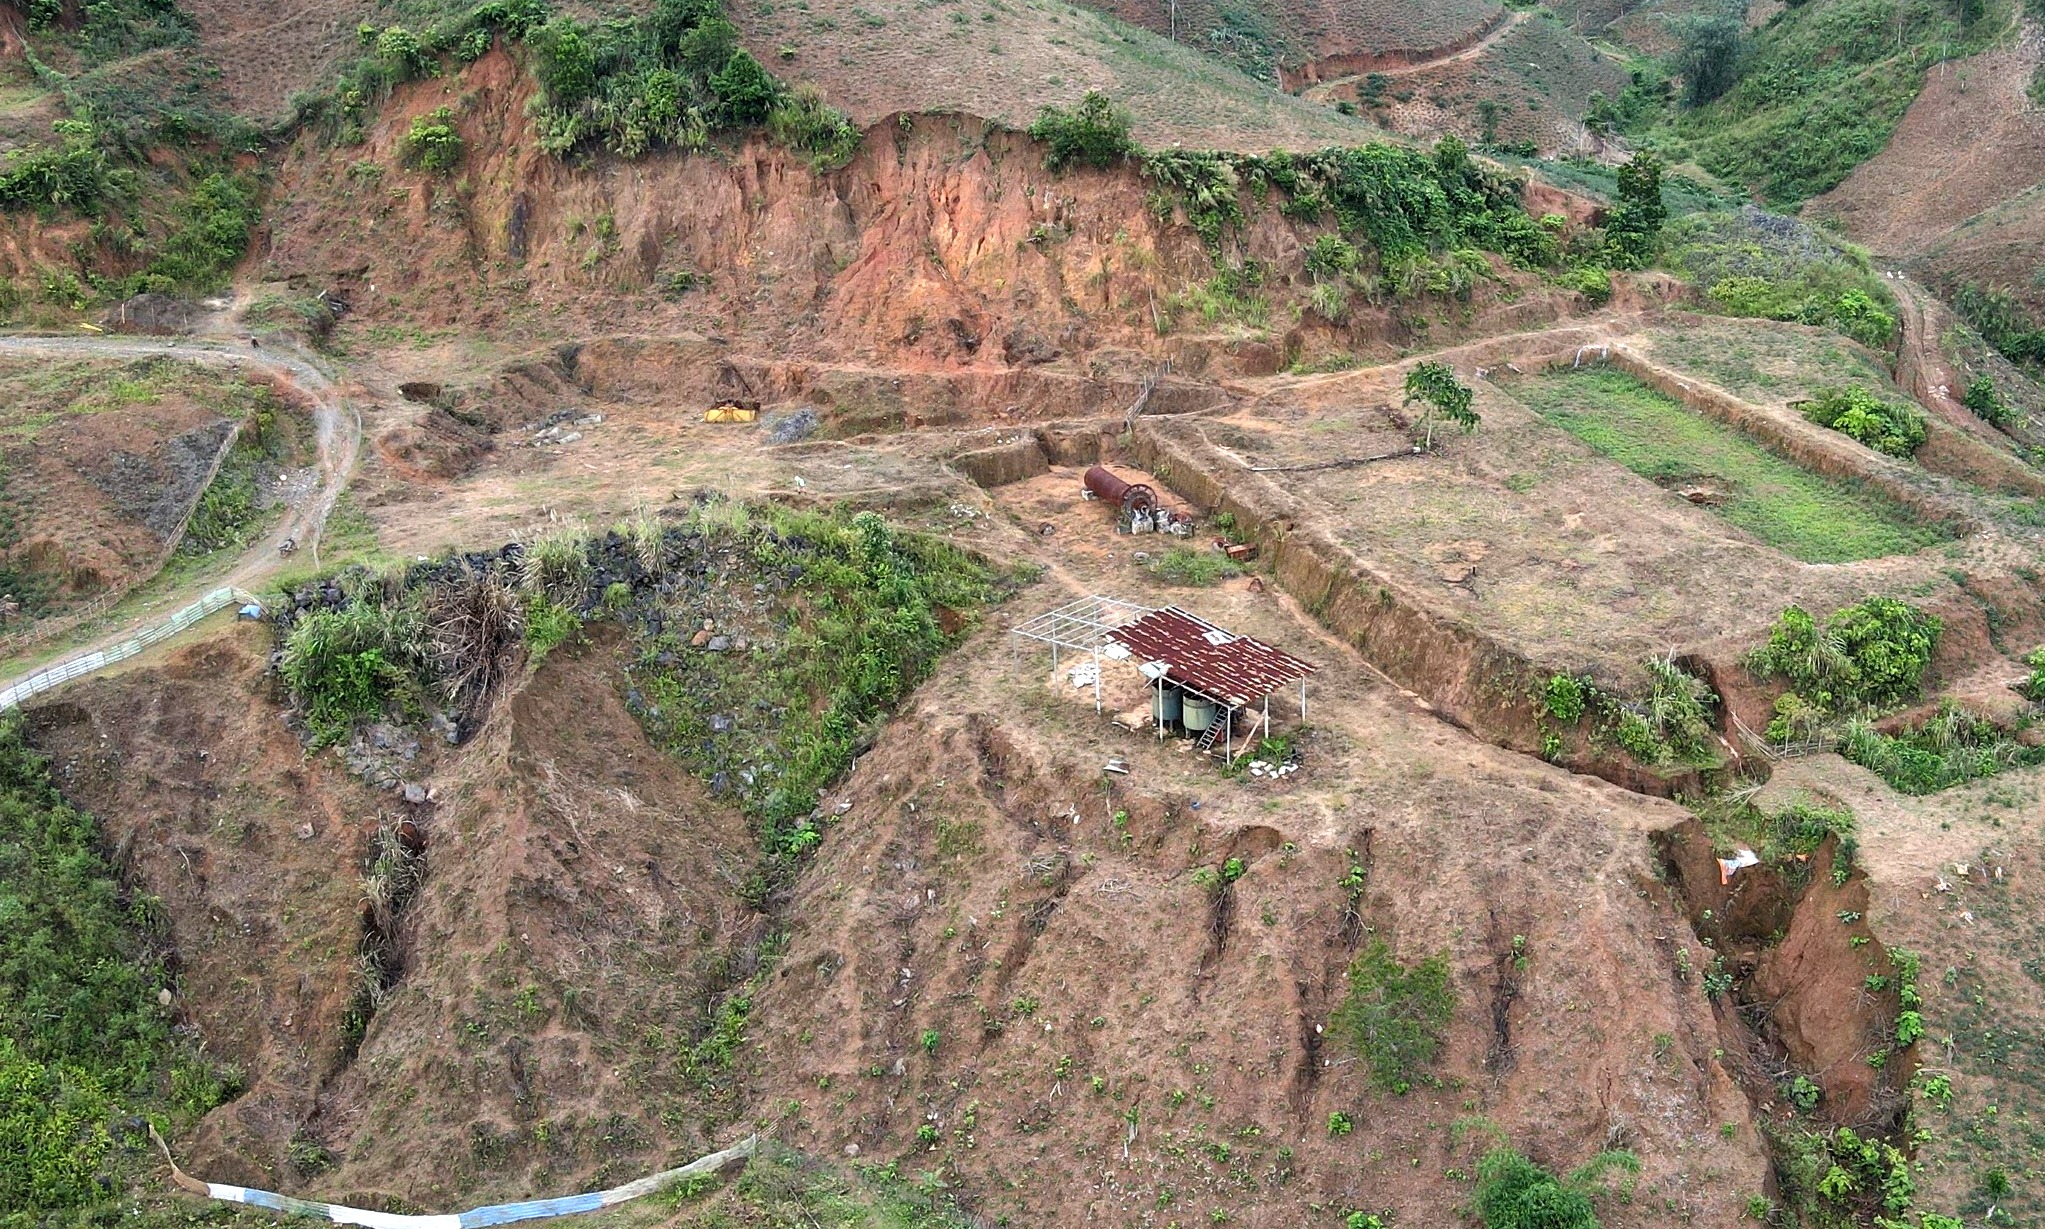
<point x="338" y="435"/>
<point x="1513" y="21"/>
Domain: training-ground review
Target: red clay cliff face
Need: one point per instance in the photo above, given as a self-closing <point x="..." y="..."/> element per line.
<point x="943" y="245"/>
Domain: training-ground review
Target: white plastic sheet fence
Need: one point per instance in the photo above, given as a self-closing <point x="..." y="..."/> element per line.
<point x="92" y="663"/>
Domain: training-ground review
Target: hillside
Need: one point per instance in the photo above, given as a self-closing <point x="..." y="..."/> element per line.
<point x="634" y="458"/>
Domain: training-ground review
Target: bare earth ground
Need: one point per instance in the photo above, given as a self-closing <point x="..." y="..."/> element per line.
<point x="1955" y="193"/>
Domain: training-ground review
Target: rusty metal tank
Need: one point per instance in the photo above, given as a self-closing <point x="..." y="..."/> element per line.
<point x="1110" y="489"/>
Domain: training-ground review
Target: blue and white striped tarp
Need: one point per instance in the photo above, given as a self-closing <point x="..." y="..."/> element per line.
<point x="474" y="1218"/>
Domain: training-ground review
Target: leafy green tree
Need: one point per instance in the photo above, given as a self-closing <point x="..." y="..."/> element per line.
<point x="1434" y="385"/>
<point x="1710" y="54"/>
<point x="745" y="88"/>
<point x="1095" y="132"/>
<point x="1633" y="230"/>
<point x="566" y="63"/>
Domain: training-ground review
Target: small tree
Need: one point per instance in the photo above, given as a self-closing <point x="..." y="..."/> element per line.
<point x="1635" y="226"/>
<point x="1709" y="58"/>
<point x="746" y="90"/>
<point x="1095" y="132"/>
<point x="1434" y="385"/>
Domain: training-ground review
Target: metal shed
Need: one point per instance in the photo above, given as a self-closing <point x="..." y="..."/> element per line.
<point x="1181" y="649"/>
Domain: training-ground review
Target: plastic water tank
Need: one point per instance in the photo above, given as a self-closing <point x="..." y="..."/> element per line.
<point x="1165" y="704"/>
<point x="1199" y="714"/>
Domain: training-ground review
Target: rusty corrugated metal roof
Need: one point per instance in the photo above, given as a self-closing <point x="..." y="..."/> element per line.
<point x="1218" y="665"/>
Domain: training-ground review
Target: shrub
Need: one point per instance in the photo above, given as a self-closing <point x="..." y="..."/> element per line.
<point x="74" y="176"/>
<point x="1186" y="565"/>
<point x="83" y="1043"/>
<point x="1871" y="655"/>
<point x="1755" y="263"/>
<point x="2002" y="320"/>
<point x="1515" y="1193"/>
<point x="432" y="144"/>
<point x="1564" y="698"/>
<point x="1986" y="403"/>
<point x="356" y="662"/>
<point x="547" y="625"/>
<point x="1095" y="132"/>
<point x="1395" y="1016"/>
<point x="1948" y="748"/>
<point x="1888" y="427"/>
<point x="804" y="121"/>
<point x="1331" y="257"/>
<point x="1591" y="281"/>
<point x="2033" y="686"/>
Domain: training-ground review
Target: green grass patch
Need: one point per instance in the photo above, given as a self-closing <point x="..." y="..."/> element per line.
<point x="1805" y="515"/>
<point x="1190" y="565"/>
<point x="84" y="1045"/>
<point x="1823" y="88"/>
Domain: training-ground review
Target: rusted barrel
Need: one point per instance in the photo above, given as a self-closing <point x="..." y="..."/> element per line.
<point x="1128" y="496"/>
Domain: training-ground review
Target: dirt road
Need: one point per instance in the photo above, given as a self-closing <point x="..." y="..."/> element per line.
<point x="338" y="434"/>
<point x="1321" y="91"/>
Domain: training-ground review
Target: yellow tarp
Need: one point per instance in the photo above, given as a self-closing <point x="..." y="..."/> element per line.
<point x="730" y="413"/>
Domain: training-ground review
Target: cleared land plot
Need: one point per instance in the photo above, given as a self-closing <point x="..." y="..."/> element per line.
<point x="1811" y="517"/>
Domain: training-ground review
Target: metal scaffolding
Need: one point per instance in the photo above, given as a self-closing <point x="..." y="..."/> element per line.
<point x="1083" y="626"/>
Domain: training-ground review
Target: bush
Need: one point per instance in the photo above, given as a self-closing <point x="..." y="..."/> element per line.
<point x="345" y="665"/>
<point x="1593" y="282"/>
<point x="547" y="625"/>
<point x="1868" y="656"/>
<point x="432" y="144"/>
<point x="2033" y="687"/>
<point x="1948" y="748"/>
<point x="1096" y="132"/>
<point x="1515" y="1193"/>
<point x="1755" y="263"/>
<point x="1564" y="698"/>
<point x="1986" y="403"/>
<point x="2002" y="320"/>
<point x="1395" y="1016"/>
<point x="805" y="122"/>
<point x="75" y="176"/>
<point x="744" y="88"/>
<point x="1330" y="258"/>
<point x="1888" y="427"/>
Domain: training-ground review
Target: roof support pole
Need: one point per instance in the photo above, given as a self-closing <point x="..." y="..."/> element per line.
<point x="1097" y="680"/>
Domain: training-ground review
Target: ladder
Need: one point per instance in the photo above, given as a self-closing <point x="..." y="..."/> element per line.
<point x="1212" y="734"/>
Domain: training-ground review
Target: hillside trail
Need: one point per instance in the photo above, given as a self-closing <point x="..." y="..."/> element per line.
<point x="338" y="435"/>
<point x="1320" y="92"/>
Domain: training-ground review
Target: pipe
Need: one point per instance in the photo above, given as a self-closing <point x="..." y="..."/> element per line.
<point x="1128" y="496"/>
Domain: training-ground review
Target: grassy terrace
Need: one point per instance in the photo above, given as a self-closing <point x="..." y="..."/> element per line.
<point x="1805" y="515"/>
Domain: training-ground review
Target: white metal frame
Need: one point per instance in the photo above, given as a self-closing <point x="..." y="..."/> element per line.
<point x="1080" y="626"/>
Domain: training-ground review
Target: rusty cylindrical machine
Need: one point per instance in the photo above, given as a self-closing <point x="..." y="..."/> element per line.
<point x="1130" y="497"/>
